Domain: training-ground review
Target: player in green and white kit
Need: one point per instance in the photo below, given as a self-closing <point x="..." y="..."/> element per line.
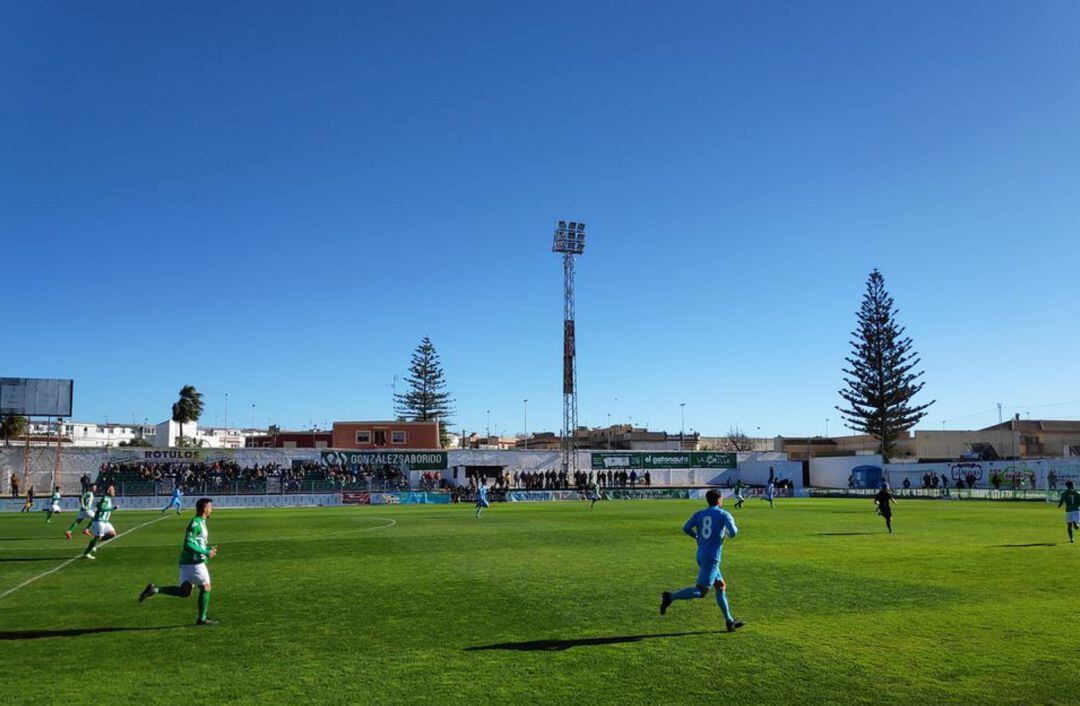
<point x="194" y="554"/>
<point x="1071" y="500"/>
<point x="594" y="493"/>
<point x="101" y="528"/>
<point x="54" y="504"/>
<point x="86" y="511"/>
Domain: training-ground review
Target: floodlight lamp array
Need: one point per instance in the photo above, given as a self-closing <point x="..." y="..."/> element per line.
<point x="569" y="237"/>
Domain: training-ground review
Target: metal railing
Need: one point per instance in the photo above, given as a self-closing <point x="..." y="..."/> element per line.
<point x="941" y="493"/>
<point x="268" y="486"/>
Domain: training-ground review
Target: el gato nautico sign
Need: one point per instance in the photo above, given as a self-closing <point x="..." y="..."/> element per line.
<point x="413" y="460"/>
<point x="605" y="461"/>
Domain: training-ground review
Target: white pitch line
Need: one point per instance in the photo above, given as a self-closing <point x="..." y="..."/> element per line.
<point x="29" y="581"/>
<point x="292" y="538"/>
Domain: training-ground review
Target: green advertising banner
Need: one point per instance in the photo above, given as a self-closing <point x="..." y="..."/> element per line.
<point x="412" y="460"/>
<point x="662" y="459"/>
<point x="629" y="460"/>
<point x="712" y="459"/>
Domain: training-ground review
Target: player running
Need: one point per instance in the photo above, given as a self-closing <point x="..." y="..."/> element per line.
<point x="481" y="497"/>
<point x="770" y="493"/>
<point x="884" y="500"/>
<point x="594" y="493"/>
<point x="1070" y="498"/>
<point x="86" y="511"/>
<point x="28" y="504"/>
<point x="54" y="504"/>
<point x="194" y="554"/>
<point x="174" y="501"/>
<point x="739" y="497"/>
<point x="101" y="529"/>
<point x="708" y="527"/>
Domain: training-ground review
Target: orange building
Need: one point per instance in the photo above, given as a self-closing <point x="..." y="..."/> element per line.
<point x="386" y="435"/>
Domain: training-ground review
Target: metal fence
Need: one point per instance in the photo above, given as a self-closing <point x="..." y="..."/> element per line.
<point x="268" y="486"/>
<point x="942" y="494"/>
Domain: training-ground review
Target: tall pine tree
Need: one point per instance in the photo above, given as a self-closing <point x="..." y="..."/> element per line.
<point x="881" y="379"/>
<point x="426" y="400"/>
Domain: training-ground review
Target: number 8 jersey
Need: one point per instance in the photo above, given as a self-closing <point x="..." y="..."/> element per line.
<point x="708" y="527"/>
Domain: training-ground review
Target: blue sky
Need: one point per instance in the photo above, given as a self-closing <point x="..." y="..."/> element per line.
<point x="278" y="200"/>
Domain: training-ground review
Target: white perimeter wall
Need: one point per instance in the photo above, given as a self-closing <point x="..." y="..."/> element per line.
<point x="833" y="471"/>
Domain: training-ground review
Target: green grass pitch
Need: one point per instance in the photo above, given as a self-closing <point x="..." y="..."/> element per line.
<point x="552" y="603"/>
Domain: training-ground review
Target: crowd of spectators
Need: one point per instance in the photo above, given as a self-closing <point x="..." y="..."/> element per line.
<point x="226" y="476"/>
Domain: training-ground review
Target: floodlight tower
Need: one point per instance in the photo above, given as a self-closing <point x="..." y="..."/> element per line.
<point x="570" y="241"/>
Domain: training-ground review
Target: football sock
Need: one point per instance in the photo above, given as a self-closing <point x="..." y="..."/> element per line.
<point x="721" y="600"/>
<point x="685" y="594"/>
<point x="171" y="591"/>
<point x="90" y="547"/>
<point x="73" y="525"/>
<point x="204" y="603"/>
<point x="1070" y="533"/>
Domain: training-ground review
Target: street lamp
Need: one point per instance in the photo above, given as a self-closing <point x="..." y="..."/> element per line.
<point x="526" y="403"/>
<point x="682" y="424"/>
<point x="488" y="427"/>
<point x="826" y="427"/>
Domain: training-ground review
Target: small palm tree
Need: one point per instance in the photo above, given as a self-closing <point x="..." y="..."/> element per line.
<point x="12" y="425"/>
<point x="188" y="408"/>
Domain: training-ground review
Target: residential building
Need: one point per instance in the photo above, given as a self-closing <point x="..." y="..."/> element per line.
<point x="281" y="439"/>
<point x="386" y="435"/>
<point x="624" y="437"/>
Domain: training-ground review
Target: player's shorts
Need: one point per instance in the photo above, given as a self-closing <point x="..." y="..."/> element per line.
<point x="1073" y="516"/>
<point x="480" y="502"/>
<point x="709" y="574"/>
<point x="176" y="501"/>
<point x="84" y="515"/>
<point x="101" y="529"/>
<point x="593" y="496"/>
<point x="196" y="574"/>
<point x="55" y="507"/>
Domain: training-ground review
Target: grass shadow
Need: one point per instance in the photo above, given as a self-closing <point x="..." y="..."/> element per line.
<point x="1019" y="546"/>
<point x="74" y="632"/>
<point x="559" y="645"/>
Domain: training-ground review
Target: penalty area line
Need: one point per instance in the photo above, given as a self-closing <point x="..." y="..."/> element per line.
<point x="75" y="558"/>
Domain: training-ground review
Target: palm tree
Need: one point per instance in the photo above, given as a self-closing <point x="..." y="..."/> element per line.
<point x="188" y="408"/>
<point x="12" y="425"/>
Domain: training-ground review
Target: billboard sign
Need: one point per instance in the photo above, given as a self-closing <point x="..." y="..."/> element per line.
<point x="628" y="460"/>
<point x="413" y="460"/>
<point x="36" y="397"/>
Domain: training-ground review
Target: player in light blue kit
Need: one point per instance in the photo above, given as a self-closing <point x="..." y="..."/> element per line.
<point x="770" y="492"/>
<point x="481" y="497"/>
<point x="708" y="527"/>
<point x="174" y="501"/>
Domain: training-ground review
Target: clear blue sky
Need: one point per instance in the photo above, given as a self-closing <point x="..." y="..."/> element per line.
<point x="278" y="200"/>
